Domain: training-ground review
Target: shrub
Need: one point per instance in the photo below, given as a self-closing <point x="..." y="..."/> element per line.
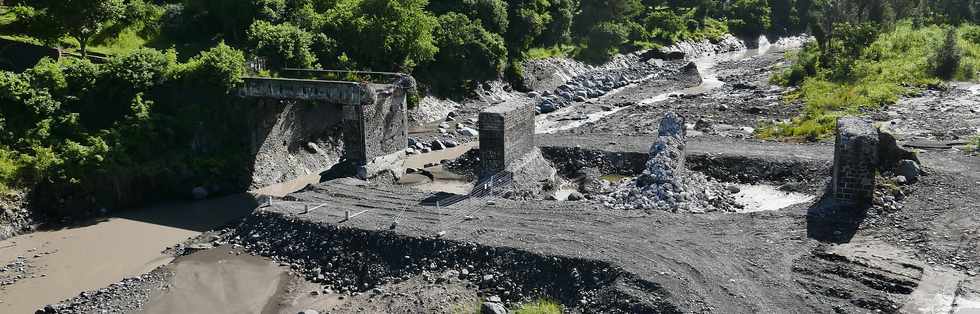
<point x="222" y="65"/>
<point x="141" y="69"/>
<point x="806" y="63"/>
<point x="9" y="169"/>
<point x="283" y="45"/>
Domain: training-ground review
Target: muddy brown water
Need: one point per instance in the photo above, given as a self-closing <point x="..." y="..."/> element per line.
<point x="100" y="252"/>
<point x="220" y="281"/>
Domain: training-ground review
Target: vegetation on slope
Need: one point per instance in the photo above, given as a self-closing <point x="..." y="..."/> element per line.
<point x="860" y="65"/>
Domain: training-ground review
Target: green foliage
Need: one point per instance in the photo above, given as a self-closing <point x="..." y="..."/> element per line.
<point x="283" y="45"/>
<point x="141" y="69"/>
<point x="464" y="44"/>
<point x="749" y="18"/>
<point x="945" y="60"/>
<point x="384" y="35"/>
<point x="604" y="40"/>
<point x="560" y="51"/>
<point x="805" y="63"/>
<point x="540" y="306"/>
<point x="222" y="65"/>
<point x="79" y="19"/>
<point x="974" y="144"/>
<point x="877" y="74"/>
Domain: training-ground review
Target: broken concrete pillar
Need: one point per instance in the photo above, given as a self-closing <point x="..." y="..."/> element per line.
<point x="506" y="135"/>
<point x="855" y="161"/>
<point x="666" y="161"/>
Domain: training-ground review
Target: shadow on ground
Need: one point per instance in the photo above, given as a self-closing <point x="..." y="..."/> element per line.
<point x="830" y="221"/>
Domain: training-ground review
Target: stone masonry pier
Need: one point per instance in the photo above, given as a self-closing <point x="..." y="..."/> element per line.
<point x="855" y="161"/>
<point x="506" y="135"/>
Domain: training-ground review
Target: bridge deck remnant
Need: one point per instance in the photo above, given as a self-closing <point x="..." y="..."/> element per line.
<point x="374" y="115"/>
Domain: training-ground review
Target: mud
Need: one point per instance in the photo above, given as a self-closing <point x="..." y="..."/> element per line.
<point x="220" y="280"/>
<point x="97" y="253"/>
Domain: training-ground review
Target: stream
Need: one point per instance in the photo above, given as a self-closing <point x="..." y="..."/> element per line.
<point x="554" y="122"/>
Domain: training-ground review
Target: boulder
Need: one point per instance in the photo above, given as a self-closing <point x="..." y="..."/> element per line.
<point x="909" y="169"/>
<point x="437" y="145"/>
<point x="492" y="308"/>
<point x="468" y="132"/>
<point x="576" y="196"/>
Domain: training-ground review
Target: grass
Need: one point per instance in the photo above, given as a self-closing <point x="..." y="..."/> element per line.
<point x="895" y="64"/>
<point x="560" y="51"/>
<point x="974" y="145"/>
<point x="9" y="169"/>
<point x="540" y="306"/>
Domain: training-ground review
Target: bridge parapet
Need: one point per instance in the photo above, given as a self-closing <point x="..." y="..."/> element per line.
<point x="339" y="92"/>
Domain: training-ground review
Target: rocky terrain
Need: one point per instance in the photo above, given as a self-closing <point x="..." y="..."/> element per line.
<point x="355" y="246"/>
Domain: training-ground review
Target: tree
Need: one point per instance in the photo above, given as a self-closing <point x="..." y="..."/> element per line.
<point x="284" y="45"/>
<point x="386" y="35"/>
<point x="605" y="40"/>
<point x="467" y="53"/>
<point x="945" y="61"/>
<point x="78" y="19"/>
<point x="749" y="18"/>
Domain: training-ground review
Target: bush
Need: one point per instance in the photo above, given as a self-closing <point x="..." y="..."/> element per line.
<point x="10" y="168"/>
<point x="283" y="45"/>
<point x="222" y="65"/>
<point x="141" y="69"/>
<point x="806" y="63"/>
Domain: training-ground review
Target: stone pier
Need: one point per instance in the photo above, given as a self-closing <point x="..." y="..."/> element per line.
<point x="855" y="161"/>
<point x="506" y="135"/>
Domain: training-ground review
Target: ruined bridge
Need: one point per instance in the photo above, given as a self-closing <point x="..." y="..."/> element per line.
<point x="313" y="120"/>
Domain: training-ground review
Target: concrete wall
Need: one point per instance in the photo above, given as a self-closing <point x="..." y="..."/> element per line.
<point x="855" y="161"/>
<point x="506" y="135"/>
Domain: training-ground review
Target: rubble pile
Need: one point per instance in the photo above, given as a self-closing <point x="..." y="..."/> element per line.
<point x="665" y="185"/>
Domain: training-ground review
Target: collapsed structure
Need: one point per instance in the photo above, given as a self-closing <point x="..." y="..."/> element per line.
<point x="316" y="124"/>
<point x="664" y="183"/>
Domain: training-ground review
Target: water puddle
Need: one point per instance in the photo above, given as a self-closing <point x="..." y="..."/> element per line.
<point x="758" y="198"/>
<point x="219" y="281"/>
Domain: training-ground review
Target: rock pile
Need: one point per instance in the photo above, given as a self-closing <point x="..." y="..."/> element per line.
<point x="665" y="185"/>
<point x="580" y="89"/>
